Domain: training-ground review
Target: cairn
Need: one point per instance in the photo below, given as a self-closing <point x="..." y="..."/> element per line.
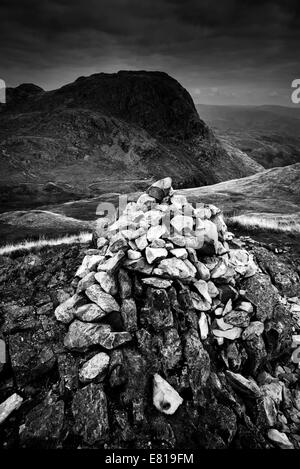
<point x="161" y="311"/>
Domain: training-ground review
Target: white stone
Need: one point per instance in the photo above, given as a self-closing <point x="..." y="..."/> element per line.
<point x="280" y="439"/>
<point x="145" y="200"/>
<point x="228" y="307"/>
<point x="295" y="308"/>
<point x="155" y="254"/>
<point x="89" y="263"/>
<point x="133" y="255"/>
<point x="157" y="282"/>
<point x="9" y="405"/>
<point x="179" y="201"/>
<point x="199" y="303"/>
<point x="105" y="301"/>
<point x="244" y="385"/>
<point x="141" y="242"/>
<point x="296" y="355"/>
<point x="165" y="398"/>
<point x="231" y="334"/>
<point x="245" y="306"/>
<point x="219" y="311"/>
<point x="223" y="325"/>
<point x="182" y="223"/>
<point x="203" y="326"/>
<point x="65" y="311"/>
<point x="296" y="340"/>
<point x="175" y="268"/>
<point x="180" y="253"/>
<point x="202" y="288"/>
<point x="155" y="232"/>
<point x="107" y="282"/>
<point x="153" y="217"/>
<point x="219" y="270"/>
<point x="94" y="368"/>
<point x="212" y="289"/>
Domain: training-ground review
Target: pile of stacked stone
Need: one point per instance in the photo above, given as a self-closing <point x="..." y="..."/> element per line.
<point x="161" y="292"/>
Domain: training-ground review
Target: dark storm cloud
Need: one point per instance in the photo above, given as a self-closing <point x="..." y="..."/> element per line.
<point x="220" y="50"/>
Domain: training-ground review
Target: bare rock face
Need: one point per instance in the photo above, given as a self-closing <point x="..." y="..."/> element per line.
<point x="180" y="341"/>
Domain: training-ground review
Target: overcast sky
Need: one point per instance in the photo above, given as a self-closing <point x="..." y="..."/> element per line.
<point x="223" y="52"/>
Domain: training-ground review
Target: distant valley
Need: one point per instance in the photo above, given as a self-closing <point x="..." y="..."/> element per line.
<point x="268" y="134"/>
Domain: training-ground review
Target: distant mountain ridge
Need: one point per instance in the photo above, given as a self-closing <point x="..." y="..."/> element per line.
<point x="87" y="137"/>
<point x="268" y="134"/>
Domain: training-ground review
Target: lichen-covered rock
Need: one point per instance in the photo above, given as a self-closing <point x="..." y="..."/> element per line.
<point x="43" y="425"/>
<point x="261" y="293"/>
<point x="94" y="368"/>
<point x="157" y="313"/>
<point x="89" y="408"/>
<point x="104" y="300"/>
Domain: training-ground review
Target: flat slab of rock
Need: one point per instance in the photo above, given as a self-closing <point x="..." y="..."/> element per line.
<point x="104" y="300"/>
<point x="113" y="263"/>
<point x="231" y="334"/>
<point x="107" y="282"/>
<point x="156" y="282"/>
<point x="89" y="408"/>
<point x="155" y="254"/>
<point x="90" y="313"/>
<point x="94" y="368"/>
<point x="9" y="405"/>
<point x="81" y="336"/>
<point x="243" y="385"/>
<point x="65" y="312"/>
<point x="280" y="439"/>
<point x="43" y="425"/>
<point x="175" y="268"/>
<point x="89" y="263"/>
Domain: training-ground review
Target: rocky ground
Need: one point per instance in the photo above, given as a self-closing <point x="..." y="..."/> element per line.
<point x="133" y="357"/>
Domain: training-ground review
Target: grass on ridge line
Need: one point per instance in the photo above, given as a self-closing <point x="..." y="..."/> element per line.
<point x="27" y="245"/>
<point x="265" y="223"/>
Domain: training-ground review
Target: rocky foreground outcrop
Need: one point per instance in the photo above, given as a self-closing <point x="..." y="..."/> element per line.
<point x="169" y="336"/>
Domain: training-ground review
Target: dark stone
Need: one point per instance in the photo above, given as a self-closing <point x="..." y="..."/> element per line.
<point x="261" y="293"/>
<point x="158" y="313"/>
<point x="283" y="275"/>
<point x="278" y="332"/>
<point x="256" y="352"/>
<point x="169" y="346"/>
<point x="43" y="425"/>
<point x="129" y="314"/>
<point x="198" y="363"/>
<point x="31" y="355"/>
<point x="17" y="318"/>
<point x="89" y="408"/>
<point x="68" y="372"/>
<point x="237" y="318"/>
<point x="125" y="284"/>
<point x="226" y="293"/>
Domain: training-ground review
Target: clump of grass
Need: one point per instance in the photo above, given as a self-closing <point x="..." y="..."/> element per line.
<point x="267" y="223"/>
<point x="42" y="242"/>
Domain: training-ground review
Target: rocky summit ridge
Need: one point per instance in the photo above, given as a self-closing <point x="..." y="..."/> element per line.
<point x="172" y="337"/>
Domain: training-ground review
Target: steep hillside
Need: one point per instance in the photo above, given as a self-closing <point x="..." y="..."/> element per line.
<point x="86" y="137"/>
<point x="268" y="134"/>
